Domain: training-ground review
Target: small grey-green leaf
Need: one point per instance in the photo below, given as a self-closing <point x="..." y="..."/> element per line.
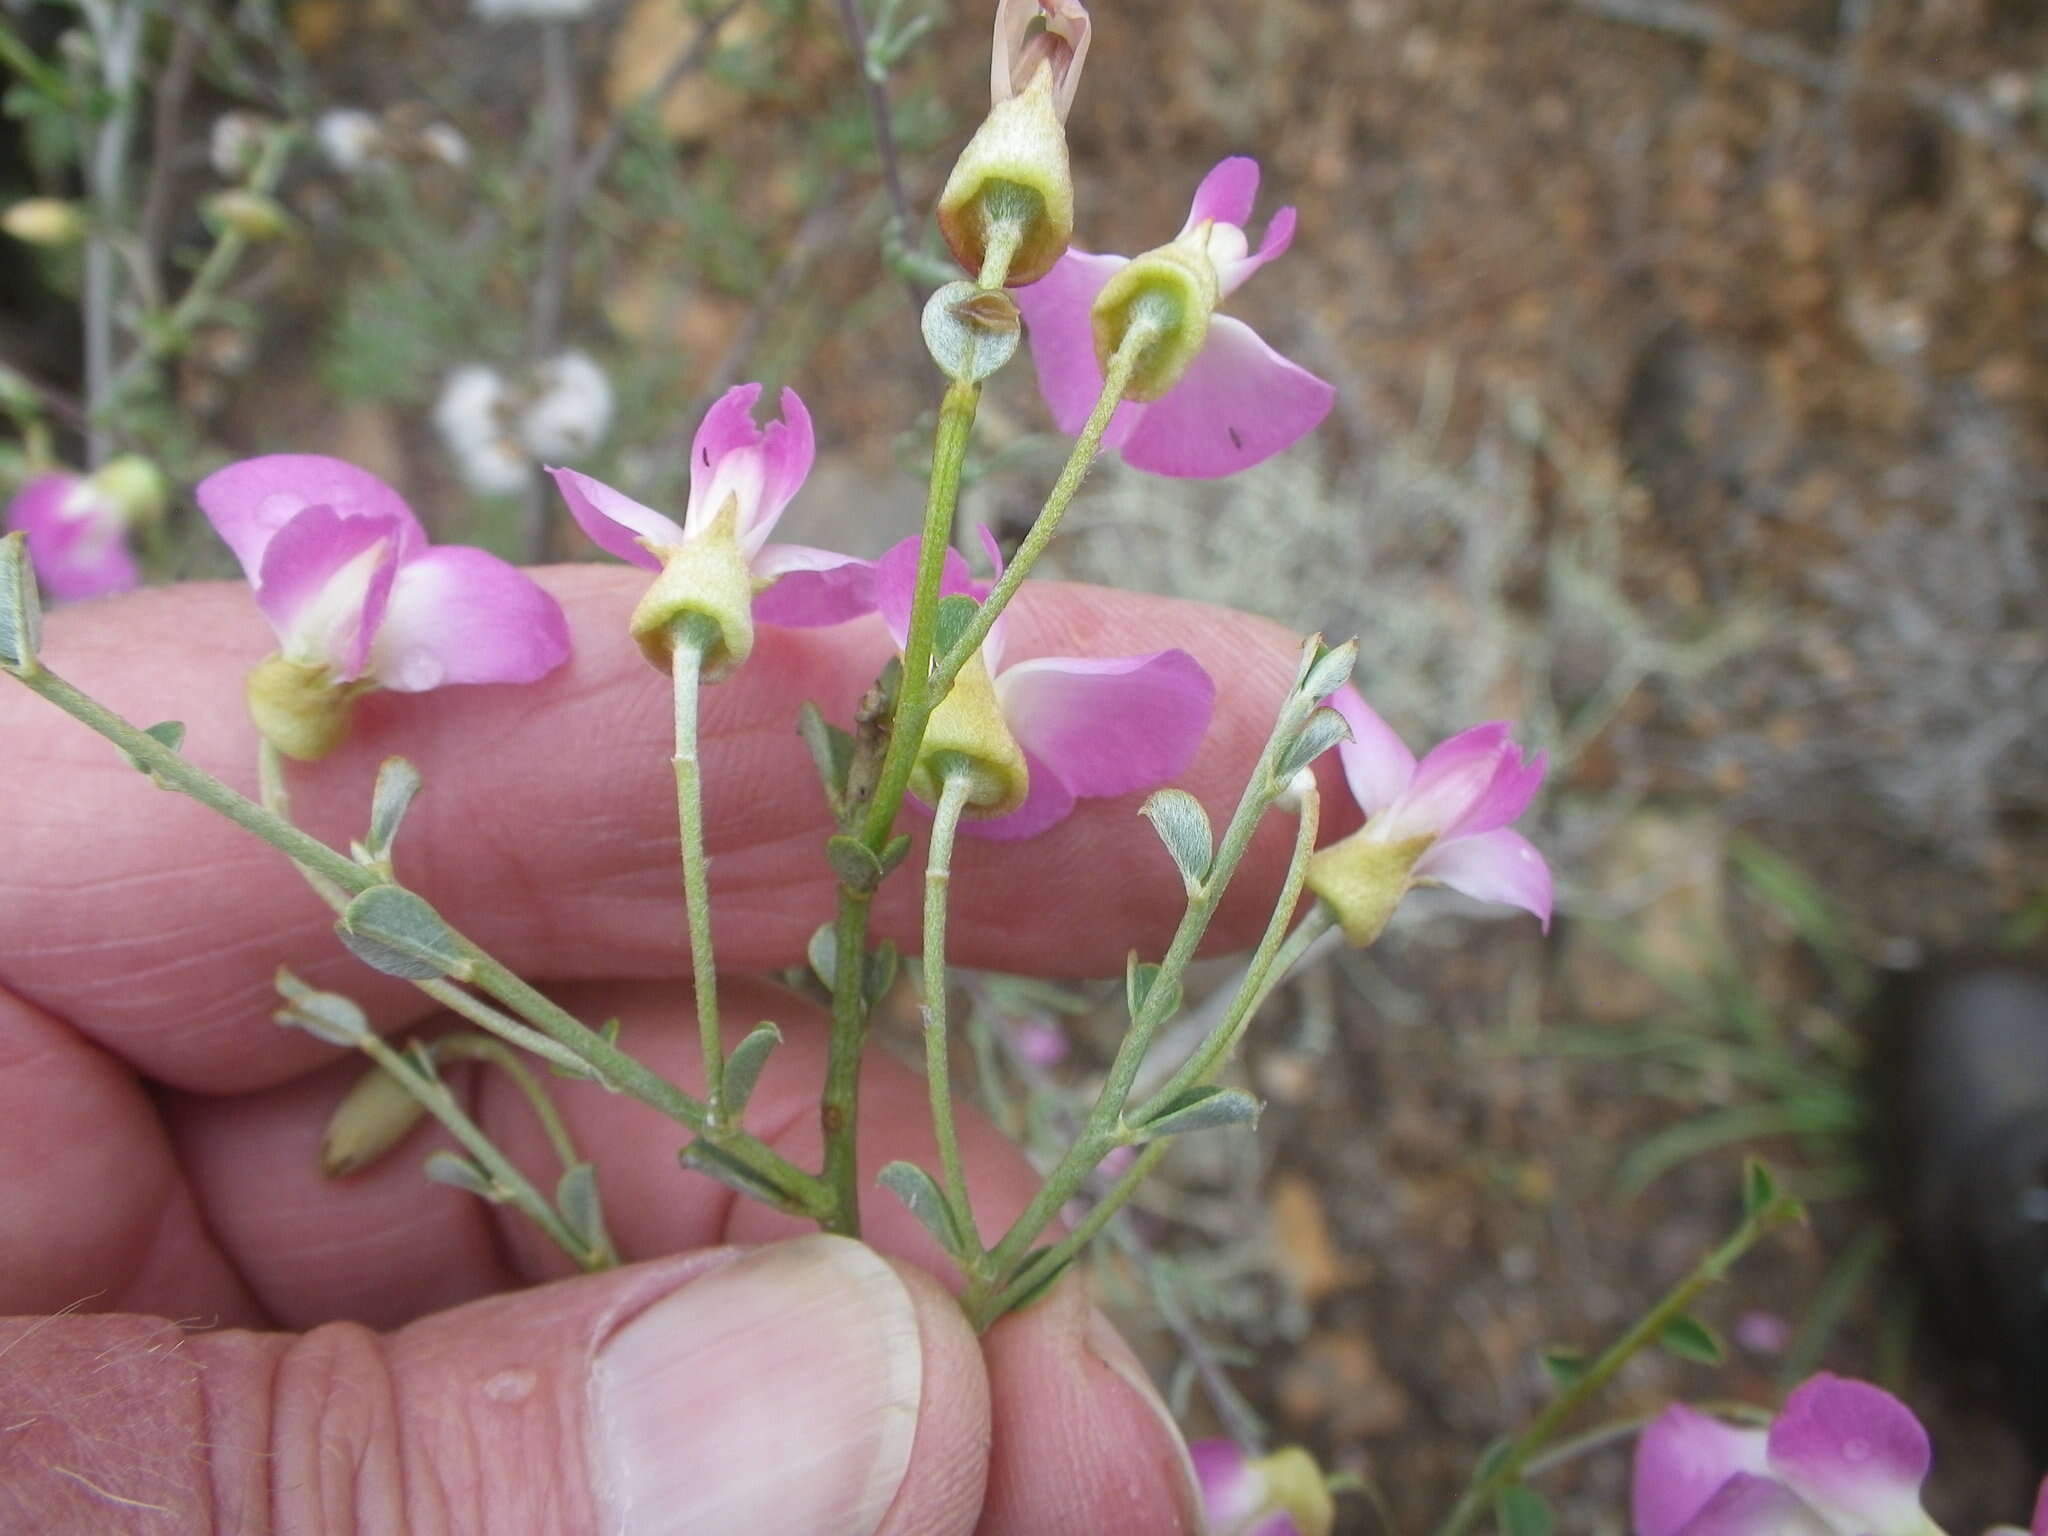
<point x="956" y="612"/>
<point x="582" y="1211"/>
<point x="831" y="752"/>
<point x="1325" y="728"/>
<point x="743" y="1067"/>
<point x="1490" y="1460"/>
<point x="1140" y="977"/>
<point x="921" y="1196"/>
<point x="1183" y="826"/>
<point x="166" y="733"/>
<point x="894" y="851"/>
<point x="881" y="972"/>
<point x="1759" y="1188"/>
<point x="326" y="1016"/>
<point x="394" y="931"/>
<point x="853" y="863"/>
<point x="1201" y="1109"/>
<point x="823" y="953"/>
<point x="702" y="1157"/>
<point x="1690" y="1339"/>
<point x="445" y="1167"/>
<point x="967" y="331"/>
<point x="1565" y="1364"/>
<point x="397" y="782"/>
<point x="1522" y="1511"/>
<point x="21" y="607"/>
<point x="1330" y="671"/>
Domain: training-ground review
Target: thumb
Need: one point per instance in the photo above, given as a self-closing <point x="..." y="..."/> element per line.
<point x="810" y="1388"/>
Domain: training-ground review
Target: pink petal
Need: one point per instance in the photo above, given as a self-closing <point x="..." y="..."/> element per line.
<point x="1056" y="323"/>
<point x="247" y="503"/>
<point x="1239" y="403"/>
<point x="1232" y="269"/>
<point x="1109" y="726"/>
<point x="1747" y="1505"/>
<point x="77" y="543"/>
<point x="1682" y="1458"/>
<point x="1491" y="866"/>
<point x="324" y="584"/>
<point x="614" y="520"/>
<point x="1855" y="1453"/>
<point x="1047" y="802"/>
<point x="1377" y="765"/>
<point x="896" y="585"/>
<point x="1231" y="1490"/>
<point x="1472" y="783"/>
<point x="762" y="468"/>
<point x="459" y="615"/>
<point x="812" y="587"/>
<point x="1226" y="194"/>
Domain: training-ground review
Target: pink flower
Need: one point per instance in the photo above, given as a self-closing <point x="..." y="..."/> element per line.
<point x="343" y="571"/>
<point x="77" y="537"/>
<point x="1089" y="727"/>
<point x="752" y="473"/>
<point x="1843" y="1458"/>
<point x="1450" y="811"/>
<point x="1283" y="1494"/>
<point x="1239" y="402"/>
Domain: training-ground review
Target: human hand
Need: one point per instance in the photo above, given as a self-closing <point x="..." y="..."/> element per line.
<point x="158" y="1133"/>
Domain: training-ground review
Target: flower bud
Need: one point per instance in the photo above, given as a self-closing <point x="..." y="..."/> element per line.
<point x="1363" y="880"/>
<point x="47" y="221"/>
<point x="706" y="574"/>
<point x="135" y="487"/>
<point x="1012" y="182"/>
<point x="298" y="709"/>
<point x="249" y="214"/>
<point x="967" y="730"/>
<point x="1031" y="33"/>
<point x="1173" y="288"/>
<point x="374" y="1117"/>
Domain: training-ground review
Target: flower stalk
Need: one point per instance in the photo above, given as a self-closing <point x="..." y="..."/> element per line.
<point x="690" y="638"/>
<point x="938" y="872"/>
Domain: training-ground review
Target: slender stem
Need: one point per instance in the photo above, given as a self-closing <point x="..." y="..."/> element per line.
<point x="1508" y="1468"/>
<point x="434" y="1097"/>
<point x="839" y="1106"/>
<point x="688" y="60"/>
<point x="494" y="1052"/>
<point x="1067" y="1247"/>
<point x="548" y="302"/>
<point x="118" y="33"/>
<point x="689" y="636"/>
<point x="938" y="873"/>
<point x="874" y="84"/>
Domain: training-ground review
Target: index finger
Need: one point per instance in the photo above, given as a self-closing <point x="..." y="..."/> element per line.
<point x="546" y="830"/>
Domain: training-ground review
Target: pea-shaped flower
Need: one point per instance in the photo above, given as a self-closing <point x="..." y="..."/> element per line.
<point x="1284" y="1494"/>
<point x="78" y="527"/>
<point x="1228" y="400"/>
<point x="713" y="563"/>
<point x="1442" y="821"/>
<point x="360" y="600"/>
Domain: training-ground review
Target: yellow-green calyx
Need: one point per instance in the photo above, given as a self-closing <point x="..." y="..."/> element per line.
<point x="707" y="574"/>
<point x="1363" y="879"/>
<point x="967" y="734"/>
<point x="299" y="709"/>
<point x="135" y="486"/>
<point x="1296" y="1484"/>
<point x="375" y="1116"/>
<point x="1013" y="171"/>
<point x="1173" y="288"/>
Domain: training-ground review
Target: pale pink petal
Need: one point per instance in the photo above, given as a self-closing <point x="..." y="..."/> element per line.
<point x="459" y="615"/>
<point x="1855" y="1453"/>
<point x="1239" y="403"/>
<point x="615" y="522"/>
<point x="1683" y="1457"/>
<point x="247" y="503"/>
<point x="1047" y="802"/>
<point x="1491" y="866"/>
<point x="77" y="542"/>
<point x="812" y="587"/>
<point x="1377" y="765"/>
<point x="896" y="585"/>
<point x="1109" y="726"/>
<point x="2040" y="1526"/>
<point x="1747" y="1505"/>
<point x="1475" y="781"/>
<point x="1226" y="194"/>
<point x="1235" y="264"/>
<point x="761" y="468"/>
<point x="1056" y="323"/>
<point x="324" y="583"/>
<point x="1231" y="1490"/>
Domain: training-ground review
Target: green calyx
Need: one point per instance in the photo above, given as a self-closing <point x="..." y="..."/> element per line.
<point x="1362" y="880"/>
<point x="967" y="734"/>
<point x="1172" y="290"/>
<point x="706" y="576"/>
<point x="1013" y="183"/>
<point x="299" y="708"/>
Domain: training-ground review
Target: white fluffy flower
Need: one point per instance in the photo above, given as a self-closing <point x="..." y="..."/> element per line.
<point x="349" y="137"/>
<point x="445" y="144"/>
<point x="571" y="409"/>
<point x="233" y="144"/>
<point x="470" y="417"/>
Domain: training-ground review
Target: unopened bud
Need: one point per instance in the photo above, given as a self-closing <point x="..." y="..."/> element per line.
<point x="1012" y="186"/>
<point x="135" y="487"/>
<point x="249" y="214"/>
<point x="47" y="221"/>
<point x="375" y="1116"/>
<point x="967" y="734"/>
<point x="298" y="709"/>
<point x="1173" y="292"/>
<point x="706" y="575"/>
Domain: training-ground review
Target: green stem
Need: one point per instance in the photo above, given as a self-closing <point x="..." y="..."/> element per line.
<point x="1507" y="1469"/>
<point x="495" y="1053"/>
<point x="690" y="635"/>
<point x="938" y="873"/>
<point x="839" y="1106"/>
<point x="434" y="1097"/>
<point x="1065" y="1250"/>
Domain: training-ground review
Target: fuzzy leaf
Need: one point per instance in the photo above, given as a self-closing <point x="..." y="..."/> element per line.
<point x="894" y="852"/>
<point x="21" y="608"/>
<point x="1564" y="1363"/>
<point x="1759" y="1188"/>
<point x="452" y="1168"/>
<point x="853" y="863"/>
<point x="397" y="782"/>
<point x="823" y="953"/>
<point x="1140" y="977"/>
<point x="743" y="1067"/>
<point x="1183" y="826"/>
<point x="1690" y="1339"/>
<point x="881" y="972"/>
<point x="1330" y="671"/>
<point x="831" y="752"/>
<point x="921" y="1196"/>
<point x="1325" y="728"/>
<point x="702" y="1157"/>
<point x="956" y="612"/>
<point x="168" y="733"/>
<point x="1201" y="1109"/>
<point x="577" y="1199"/>
<point x="326" y="1016"/>
<point x="394" y="931"/>
<point x="1521" y="1511"/>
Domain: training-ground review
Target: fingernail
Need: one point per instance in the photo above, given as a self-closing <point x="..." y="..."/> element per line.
<point x="778" y="1394"/>
<point x="1108" y="1346"/>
